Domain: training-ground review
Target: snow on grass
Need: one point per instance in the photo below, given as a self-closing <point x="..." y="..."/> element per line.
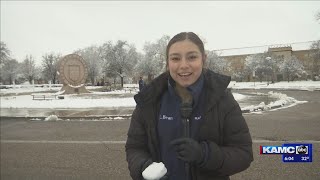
<point x="283" y="101"/>
<point x="74" y="101"/>
<point x="124" y="98"/>
<point x="25" y="101"/>
<point x="18" y="89"/>
<point x="284" y="85"/>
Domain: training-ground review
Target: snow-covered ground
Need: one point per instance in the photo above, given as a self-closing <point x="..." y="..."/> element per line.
<point x="124" y="98"/>
<point x="292" y="85"/>
<point x="282" y="101"/>
<point x="283" y="85"/>
<point x="90" y="100"/>
<point x="69" y="101"/>
<point x="18" y="89"/>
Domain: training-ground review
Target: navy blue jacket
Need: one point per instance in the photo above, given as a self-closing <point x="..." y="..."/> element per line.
<point x="171" y="126"/>
<point x="223" y="128"/>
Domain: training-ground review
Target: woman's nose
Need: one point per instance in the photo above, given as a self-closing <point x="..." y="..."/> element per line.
<point x="184" y="63"/>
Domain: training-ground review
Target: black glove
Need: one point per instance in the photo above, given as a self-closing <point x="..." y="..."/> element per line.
<point x="165" y="177"/>
<point x="188" y="150"/>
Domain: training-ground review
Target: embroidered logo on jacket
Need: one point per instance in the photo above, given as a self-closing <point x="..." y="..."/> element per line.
<point x="164" y="117"/>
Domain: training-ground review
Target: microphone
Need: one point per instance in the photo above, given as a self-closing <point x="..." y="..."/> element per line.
<point x="185" y="111"/>
<point x="185" y="107"/>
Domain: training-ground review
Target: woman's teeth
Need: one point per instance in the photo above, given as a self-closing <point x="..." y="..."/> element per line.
<point x="184" y="74"/>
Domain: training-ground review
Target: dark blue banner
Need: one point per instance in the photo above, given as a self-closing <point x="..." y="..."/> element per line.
<point x="303" y="153"/>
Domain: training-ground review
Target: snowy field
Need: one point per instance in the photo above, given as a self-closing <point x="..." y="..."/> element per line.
<point x="283" y="85"/>
<point x="20" y="96"/>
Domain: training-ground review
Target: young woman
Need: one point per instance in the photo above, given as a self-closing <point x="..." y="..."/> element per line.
<point x="211" y="142"/>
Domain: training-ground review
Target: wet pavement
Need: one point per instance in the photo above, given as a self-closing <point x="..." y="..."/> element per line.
<point x="81" y="150"/>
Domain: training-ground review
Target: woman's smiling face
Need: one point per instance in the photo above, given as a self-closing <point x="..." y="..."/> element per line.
<point x="185" y="62"/>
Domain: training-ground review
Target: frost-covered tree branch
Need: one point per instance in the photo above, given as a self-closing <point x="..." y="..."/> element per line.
<point x="28" y="68"/>
<point x="216" y="63"/>
<point x="4" y="53"/>
<point x="50" y="66"/>
<point x="292" y="68"/>
<point x="91" y="56"/>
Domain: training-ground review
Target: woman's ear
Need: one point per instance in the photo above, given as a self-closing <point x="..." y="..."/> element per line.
<point x="204" y="60"/>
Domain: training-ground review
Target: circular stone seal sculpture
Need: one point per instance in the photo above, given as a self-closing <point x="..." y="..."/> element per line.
<point x="73" y="73"/>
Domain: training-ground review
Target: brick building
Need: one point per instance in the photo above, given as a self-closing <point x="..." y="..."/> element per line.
<point x="237" y="62"/>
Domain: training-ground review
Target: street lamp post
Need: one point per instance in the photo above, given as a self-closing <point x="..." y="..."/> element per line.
<point x="254" y="78"/>
<point x="272" y="66"/>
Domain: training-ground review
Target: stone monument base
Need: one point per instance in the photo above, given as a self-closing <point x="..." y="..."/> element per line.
<point x="73" y="89"/>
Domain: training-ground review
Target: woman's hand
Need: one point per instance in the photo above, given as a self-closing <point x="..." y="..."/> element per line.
<point x="188" y="150"/>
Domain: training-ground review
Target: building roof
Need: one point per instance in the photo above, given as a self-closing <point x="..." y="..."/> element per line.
<point x="261" y="49"/>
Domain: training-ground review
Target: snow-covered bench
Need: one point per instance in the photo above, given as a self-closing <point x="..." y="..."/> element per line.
<point x="44" y="96"/>
<point x="130" y="89"/>
<point x="48" y="96"/>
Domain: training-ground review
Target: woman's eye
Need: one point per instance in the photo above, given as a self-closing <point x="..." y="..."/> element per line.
<point x="174" y="58"/>
<point x="192" y="57"/>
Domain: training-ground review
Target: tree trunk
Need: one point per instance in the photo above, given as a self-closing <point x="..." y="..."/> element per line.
<point x="92" y="81"/>
<point x="122" y="82"/>
<point x="54" y="78"/>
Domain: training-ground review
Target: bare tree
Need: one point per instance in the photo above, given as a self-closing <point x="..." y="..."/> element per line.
<point x="105" y="50"/>
<point x="252" y="65"/>
<point x="50" y="67"/>
<point x="318" y="16"/>
<point x="263" y="65"/>
<point x="292" y="68"/>
<point x="28" y="68"/>
<point x="315" y="55"/>
<point x="216" y="63"/>
<point x="154" y="61"/>
<point x="149" y="64"/>
<point x="240" y="75"/>
<point x="38" y="77"/>
<point x="119" y="59"/>
<point x="161" y="51"/>
<point x="4" y="53"/>
<point x="10" y="70"/>
<point x="4" y="57"/>
<point x="92" y="57"/>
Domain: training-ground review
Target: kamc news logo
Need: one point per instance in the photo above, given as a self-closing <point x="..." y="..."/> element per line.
<point x="302" y="149"/>
<point x="290" y="152"/>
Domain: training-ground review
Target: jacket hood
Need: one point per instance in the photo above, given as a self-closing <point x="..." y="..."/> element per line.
<point x="153" y="91"/>
<point x="215" y="84"/>
<point x="215" y="81"/>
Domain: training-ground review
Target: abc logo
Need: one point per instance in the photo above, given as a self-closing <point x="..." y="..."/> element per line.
<point x="302" y="149"/>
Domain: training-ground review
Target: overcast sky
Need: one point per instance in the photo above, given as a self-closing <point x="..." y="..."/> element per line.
<point x="36" y="28"/>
